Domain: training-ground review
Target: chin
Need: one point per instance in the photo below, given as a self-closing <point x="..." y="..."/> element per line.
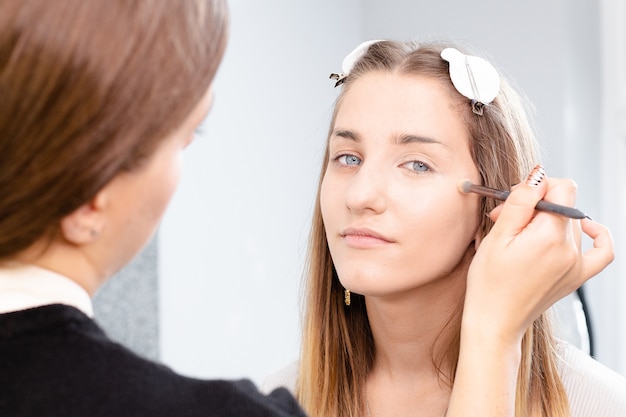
<point x="362" y="282"/>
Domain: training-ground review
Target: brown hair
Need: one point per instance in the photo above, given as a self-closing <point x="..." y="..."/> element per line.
<point x="89" y="89"/>
<point x="337" y="344"/>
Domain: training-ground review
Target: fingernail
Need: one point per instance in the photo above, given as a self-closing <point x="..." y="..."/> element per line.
<point x="536" y="176"/>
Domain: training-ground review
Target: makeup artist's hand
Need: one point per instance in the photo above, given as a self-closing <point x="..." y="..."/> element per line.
<point x="527" y="262"/>
<point x="531" y="259"/>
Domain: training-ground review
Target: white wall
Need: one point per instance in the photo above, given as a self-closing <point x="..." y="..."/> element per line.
<point x="610" y="293"/>
<point x="232" y="243"/>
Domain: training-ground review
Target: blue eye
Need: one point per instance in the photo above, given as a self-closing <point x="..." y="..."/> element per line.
<point x="417" y="166"/>
<point x="420" y="166"/>
<point x="349" y="160"/>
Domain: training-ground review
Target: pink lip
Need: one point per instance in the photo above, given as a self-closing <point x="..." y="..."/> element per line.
<point x="364" y="238"/>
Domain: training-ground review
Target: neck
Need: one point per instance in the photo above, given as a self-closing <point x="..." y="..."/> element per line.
<point x="409" y="376"/>
<point x="413" y="333"/>
<point x="411" y="329"/>
<point x="65" y="259"/>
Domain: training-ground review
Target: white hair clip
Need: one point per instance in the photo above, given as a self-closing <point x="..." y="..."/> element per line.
<point x="350" y="60"/>
<point x="473" y="77"/>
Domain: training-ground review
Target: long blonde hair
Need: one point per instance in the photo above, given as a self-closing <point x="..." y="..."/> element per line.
<point x="337" y="345"/>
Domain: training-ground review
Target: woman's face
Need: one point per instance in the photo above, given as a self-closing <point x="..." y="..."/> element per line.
<point x="394" y="217"/>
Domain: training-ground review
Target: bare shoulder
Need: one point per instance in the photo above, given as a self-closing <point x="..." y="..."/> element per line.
<point x="592" y="388"/>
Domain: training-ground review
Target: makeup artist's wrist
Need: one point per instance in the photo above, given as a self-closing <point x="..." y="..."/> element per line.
<point x="486" y="374"/>
<point x="495" y="329"/>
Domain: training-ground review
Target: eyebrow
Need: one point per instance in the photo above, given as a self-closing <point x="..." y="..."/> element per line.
<point x="346" y="134"/>
<point x="408" y="138"/>
<point x="403" y="139"/>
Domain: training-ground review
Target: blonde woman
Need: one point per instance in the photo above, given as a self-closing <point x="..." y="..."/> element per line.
<point x="416" y="303"/>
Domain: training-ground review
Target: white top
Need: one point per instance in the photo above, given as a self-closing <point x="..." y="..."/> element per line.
<point x="28" y="286"/>
<point x="593" y="389"/>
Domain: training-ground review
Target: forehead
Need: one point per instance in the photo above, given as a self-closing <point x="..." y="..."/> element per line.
<point x="383" y="104"/>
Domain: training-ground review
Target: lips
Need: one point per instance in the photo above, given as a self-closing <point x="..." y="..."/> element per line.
<point x="364" y="237"/>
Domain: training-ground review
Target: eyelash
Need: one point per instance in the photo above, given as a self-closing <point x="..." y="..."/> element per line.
<point x="423" y="164"/>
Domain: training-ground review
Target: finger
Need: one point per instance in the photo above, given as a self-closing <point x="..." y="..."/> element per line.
<point x="519" y="208"/>
<point x="495" y="213"/>
<point x="561" y="191"/>
<point x="577" y="233"/>
<point x="602" y="253"/>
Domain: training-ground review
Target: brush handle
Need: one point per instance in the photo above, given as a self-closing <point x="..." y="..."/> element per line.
<point x="542" y="205"/>
<point x="570" y="212"/>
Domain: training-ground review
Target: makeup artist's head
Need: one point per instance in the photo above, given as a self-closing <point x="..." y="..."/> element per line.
<point x="389" y="220"/>
<point x="98" y="100"/>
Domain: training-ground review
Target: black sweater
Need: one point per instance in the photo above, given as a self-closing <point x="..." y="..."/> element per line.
<point x="56" y="361"/>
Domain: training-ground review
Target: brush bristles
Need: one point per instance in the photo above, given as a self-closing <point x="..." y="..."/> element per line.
<point x="465" y="186"/>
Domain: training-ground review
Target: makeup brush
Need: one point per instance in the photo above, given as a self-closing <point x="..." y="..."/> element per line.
<point x="466" y="187"/>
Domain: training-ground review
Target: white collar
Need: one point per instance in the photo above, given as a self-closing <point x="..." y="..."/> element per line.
<point x="28" y="286"/>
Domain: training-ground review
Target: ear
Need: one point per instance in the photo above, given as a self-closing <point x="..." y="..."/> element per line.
<point x="85" y="224"/>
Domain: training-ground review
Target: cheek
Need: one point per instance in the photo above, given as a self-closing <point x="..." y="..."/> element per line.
<point x="164" y="184"/>
<point x="171" y="180"/>
<point x="327" y="198"/>
<point x="442" y="218"/>
<point x="463" y="217"/>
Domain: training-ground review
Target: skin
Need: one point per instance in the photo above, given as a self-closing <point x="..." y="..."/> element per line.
<point x="105" y="233"/>
<point x="401" y="234"/>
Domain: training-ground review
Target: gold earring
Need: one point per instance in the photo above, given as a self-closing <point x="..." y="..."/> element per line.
<point x="346" y="297"/>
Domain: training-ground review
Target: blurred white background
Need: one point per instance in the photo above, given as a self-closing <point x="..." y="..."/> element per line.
<point x="232" y="244"/>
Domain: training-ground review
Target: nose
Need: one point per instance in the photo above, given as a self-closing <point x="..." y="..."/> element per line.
<point x="366" y="190"/>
